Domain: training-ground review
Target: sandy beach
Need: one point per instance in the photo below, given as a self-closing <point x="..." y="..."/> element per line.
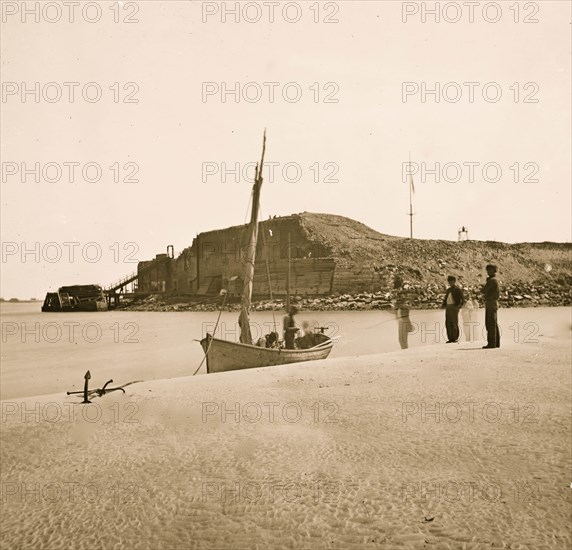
<point x="433" y="447"/>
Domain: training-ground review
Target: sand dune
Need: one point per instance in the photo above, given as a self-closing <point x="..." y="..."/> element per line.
<point x="435" y="447"/>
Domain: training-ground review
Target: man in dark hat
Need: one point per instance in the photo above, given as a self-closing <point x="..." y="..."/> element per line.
<point x="452" y="303"/>
<point x="491" y="294"/>
<point x="290" y="328"/>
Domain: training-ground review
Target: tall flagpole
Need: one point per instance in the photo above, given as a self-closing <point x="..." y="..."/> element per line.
<point x="288" y="277"/>
<point x="410" y="200"/>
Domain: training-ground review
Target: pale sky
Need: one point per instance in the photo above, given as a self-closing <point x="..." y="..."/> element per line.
<point x="361" y="61"/>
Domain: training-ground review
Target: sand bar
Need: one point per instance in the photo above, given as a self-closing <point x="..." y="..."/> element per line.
<point x="434" y="447"/>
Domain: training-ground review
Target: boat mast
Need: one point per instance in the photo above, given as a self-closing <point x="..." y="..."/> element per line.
<point x="250" y="256"/>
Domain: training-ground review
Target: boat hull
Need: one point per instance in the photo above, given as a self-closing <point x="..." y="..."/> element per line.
<point x="225" y="356"/>
<point x="76" y="298"/>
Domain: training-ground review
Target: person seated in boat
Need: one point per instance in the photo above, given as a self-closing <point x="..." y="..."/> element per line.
<point x="268" y="341"/>
<point x="308" y="340"/>
<point x="272" y="340"/>
<point x="261" y="342"/>
<point x="290" y="328"/>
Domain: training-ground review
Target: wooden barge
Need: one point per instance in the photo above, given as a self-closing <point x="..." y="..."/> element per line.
<point x="76" y="298"/>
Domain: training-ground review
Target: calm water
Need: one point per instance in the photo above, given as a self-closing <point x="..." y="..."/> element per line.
<point x="44" y="353"/>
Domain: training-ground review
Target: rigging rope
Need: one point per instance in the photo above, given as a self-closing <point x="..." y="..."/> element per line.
<point x="214" y="332"/>
<point x="268" y="273"/>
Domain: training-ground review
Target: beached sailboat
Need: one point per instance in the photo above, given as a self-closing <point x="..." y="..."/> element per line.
<point x="223" y="355"/>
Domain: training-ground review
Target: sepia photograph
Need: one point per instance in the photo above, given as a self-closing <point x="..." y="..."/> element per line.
<point x="286" y="275"/>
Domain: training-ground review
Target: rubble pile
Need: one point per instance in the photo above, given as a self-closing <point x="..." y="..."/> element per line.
<point x="418" y="297"/>
<point x="369" y="263"/>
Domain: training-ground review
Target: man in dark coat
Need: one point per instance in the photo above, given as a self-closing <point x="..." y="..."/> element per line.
<point x="491" y="294"/>
<point x="452" y="303"/>
<point x="289" y="328"/>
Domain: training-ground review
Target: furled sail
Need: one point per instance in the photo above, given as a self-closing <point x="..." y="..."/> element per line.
<point x="250" y="253"/>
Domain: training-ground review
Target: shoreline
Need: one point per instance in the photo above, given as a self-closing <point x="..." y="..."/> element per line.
<point x="346" y="302"/>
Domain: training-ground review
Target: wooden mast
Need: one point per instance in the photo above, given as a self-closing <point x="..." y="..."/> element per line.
<point x="250" y="256"/>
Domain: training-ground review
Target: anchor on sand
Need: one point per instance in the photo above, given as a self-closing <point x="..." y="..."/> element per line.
<point x="98" y="392"/>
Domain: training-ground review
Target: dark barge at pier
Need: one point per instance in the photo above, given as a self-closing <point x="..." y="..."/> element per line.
<point x="76" y="298"/>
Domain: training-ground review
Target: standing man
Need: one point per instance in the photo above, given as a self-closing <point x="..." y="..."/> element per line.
<point x="290" y="328"/>
<point x="491" y="294"/>
<point x="469" y="314"/>
<point x="452" y="303"/>
<point x="404" y="325"/>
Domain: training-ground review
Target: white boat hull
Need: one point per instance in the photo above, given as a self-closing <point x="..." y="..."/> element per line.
<point x="224" y="356"/>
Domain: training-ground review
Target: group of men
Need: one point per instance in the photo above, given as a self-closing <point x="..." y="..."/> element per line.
<point x="307" y="340"/>
<point x="290" y="331"/>
<point x="454" y="300"/>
